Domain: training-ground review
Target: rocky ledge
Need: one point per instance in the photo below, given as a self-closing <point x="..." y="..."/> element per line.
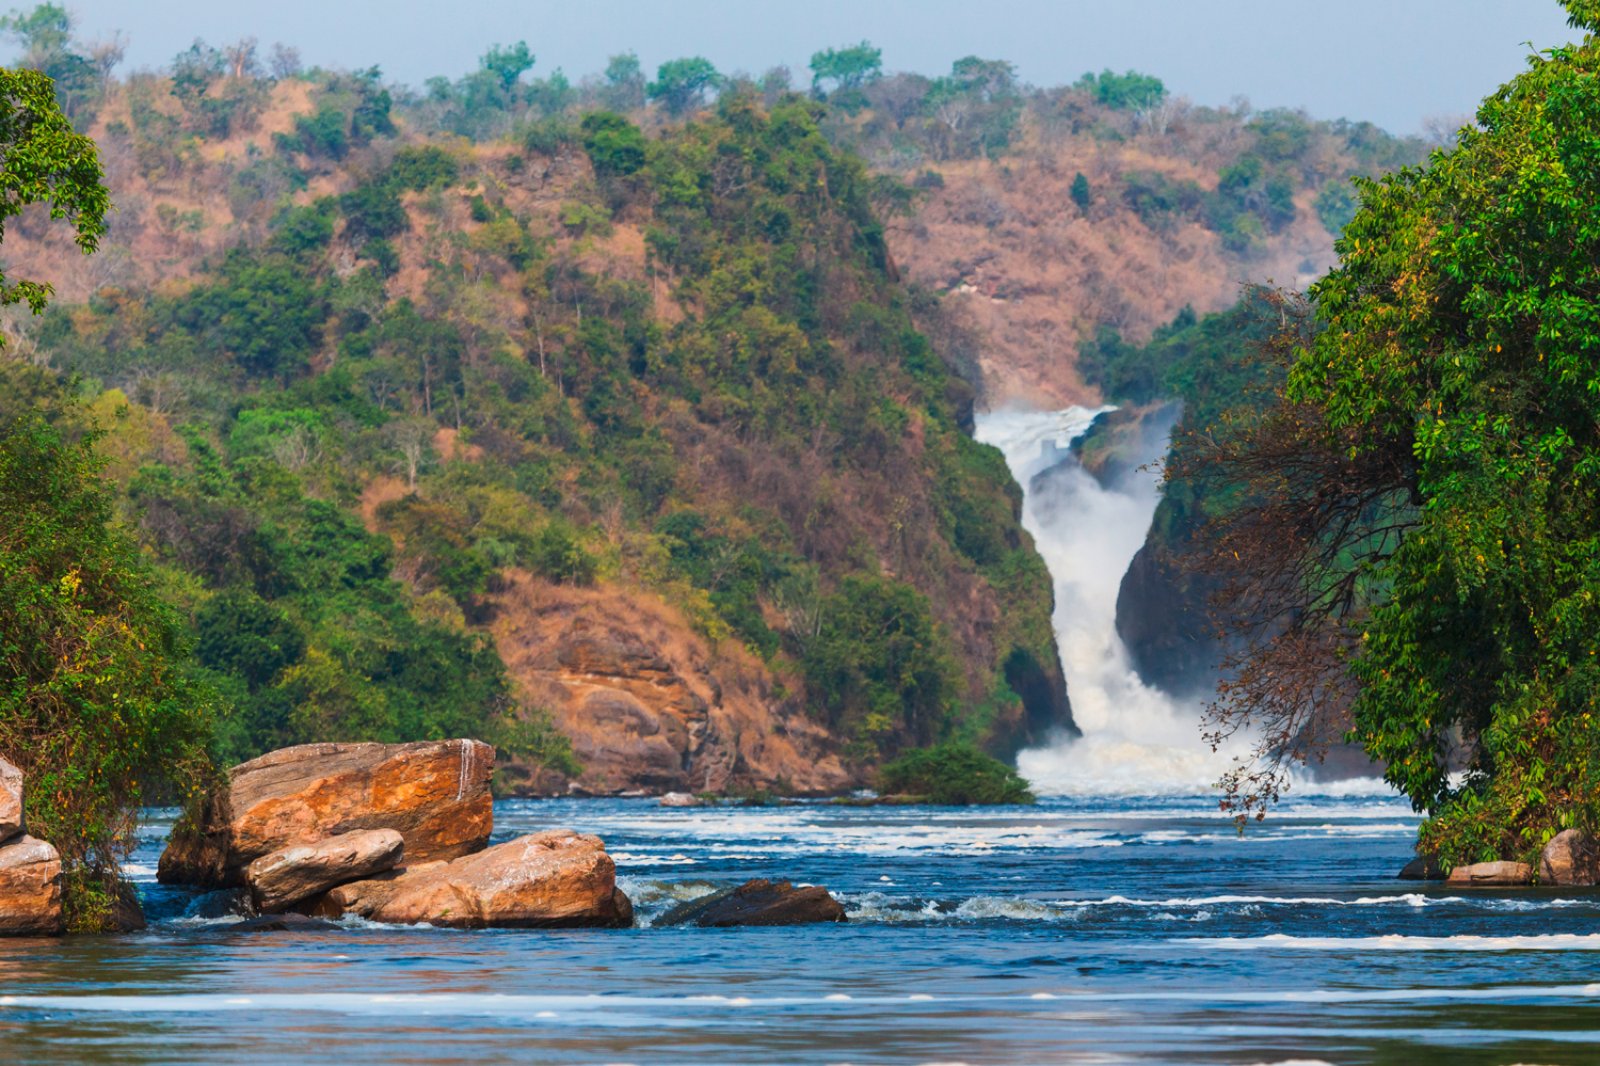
<point x="391" y="832"/>
<point x="30" y="869"/>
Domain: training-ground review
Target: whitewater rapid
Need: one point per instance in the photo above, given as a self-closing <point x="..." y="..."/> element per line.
<point x="1137" y="740"/>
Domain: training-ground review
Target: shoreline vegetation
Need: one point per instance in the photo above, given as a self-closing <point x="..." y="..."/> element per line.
<point x="628" y="425"/>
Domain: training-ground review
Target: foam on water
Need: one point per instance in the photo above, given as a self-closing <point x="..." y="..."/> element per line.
<point x="1137" y="740"/>
<point x="1402" y="942"/>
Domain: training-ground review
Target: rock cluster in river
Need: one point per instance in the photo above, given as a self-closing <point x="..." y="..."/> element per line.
<point x="392" y="832"/>
<point x="30" y="869"/>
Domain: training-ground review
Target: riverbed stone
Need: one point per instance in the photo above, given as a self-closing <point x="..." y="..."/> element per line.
<point x="557" y="878"/>
<point x="284" y="878"/>
<point x="435" y="794"/>
<point x="758" y="902"/>
<point x="30" y="888"/>
<point x="1492" y="874"/>
<point x="1572" y="857"/>
<point x="11" y="820"/>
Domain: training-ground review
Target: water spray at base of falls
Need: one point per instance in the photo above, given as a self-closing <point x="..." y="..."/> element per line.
<point x="1137" y="740"/>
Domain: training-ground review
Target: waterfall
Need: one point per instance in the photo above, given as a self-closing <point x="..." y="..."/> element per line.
<point x="1136" y="739"/>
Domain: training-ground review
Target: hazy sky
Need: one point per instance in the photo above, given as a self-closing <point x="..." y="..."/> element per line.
<point x="1395" y="62"/>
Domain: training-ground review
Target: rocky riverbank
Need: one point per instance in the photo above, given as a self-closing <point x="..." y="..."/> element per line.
<point x="392" y="833"/>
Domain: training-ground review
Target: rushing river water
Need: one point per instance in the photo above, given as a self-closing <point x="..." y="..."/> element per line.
<point x="1080" y="930"/>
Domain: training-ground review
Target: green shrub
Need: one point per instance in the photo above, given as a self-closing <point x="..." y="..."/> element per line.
<point x="954" y="774"/>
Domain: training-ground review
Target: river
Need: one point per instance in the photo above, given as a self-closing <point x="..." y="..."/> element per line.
<point x="1123" y="919"/>
<point x="1125" y="929"/>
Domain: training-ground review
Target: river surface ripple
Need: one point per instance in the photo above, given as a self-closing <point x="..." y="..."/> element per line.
<point x="1082" y="930"/>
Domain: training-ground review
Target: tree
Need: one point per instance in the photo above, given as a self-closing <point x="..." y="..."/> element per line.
<point x="616" y="147"/>
<point x="1080" y="191"/>
<point x="45" y="162"/>
<point x="681" y="84"/>
<point x="96" y="707"/>
<point x="1131" y="91"/>
<point x="847" y="68"/>
<point x="46" y="36"/>
<point x="624" y="83"/>
<point x="1442" y="430"/>
<point x="507" y="63"/>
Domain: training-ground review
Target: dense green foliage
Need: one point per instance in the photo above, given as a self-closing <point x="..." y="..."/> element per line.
<point x="1462" y="333"/>
<point x="97" y="708"/>
<point x="45" y="162"/>
<point x="954" y="774"/>
<point x="748" y="425"/>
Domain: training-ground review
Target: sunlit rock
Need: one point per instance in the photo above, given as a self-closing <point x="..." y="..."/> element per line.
<point x="284" y="878"/>
<point x="435" y="794"/>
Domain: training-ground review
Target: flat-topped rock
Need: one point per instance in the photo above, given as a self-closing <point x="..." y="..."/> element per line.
<point x="551" y="879"/>
<point x="435" y="794"/>
<point x="1491" y="873"/>
<point x="284" y="878"/>
<point x="1572" y="857"/>
<point x="11" y="820"/>
<point x="30" y="888"/>
<point x="758" y="902"/>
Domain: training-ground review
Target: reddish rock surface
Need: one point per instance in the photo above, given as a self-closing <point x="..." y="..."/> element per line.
<point x="30" y="888"/>
<point x="555" y="878"/>
<point x="284" y="878"/>
<point x="649" y="705"/>
<point x="1571" y="858"/>
<point x="435" y="794"/>
<point x="1491" y="873"/>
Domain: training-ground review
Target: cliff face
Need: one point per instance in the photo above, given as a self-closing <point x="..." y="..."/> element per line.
<point x="648" y="704"/>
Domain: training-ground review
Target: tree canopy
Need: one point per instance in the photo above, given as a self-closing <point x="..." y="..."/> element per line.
<point x="1445" y="417"/>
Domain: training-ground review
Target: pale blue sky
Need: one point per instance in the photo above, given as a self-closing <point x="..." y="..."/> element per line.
<point x="1395" y="62"/>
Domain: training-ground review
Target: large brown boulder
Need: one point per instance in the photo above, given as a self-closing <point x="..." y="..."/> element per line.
<point x="30" y="888"/>
<point x="555" y="878"/>
<point x="284" y="878"/>
<point x="1489" y="874"/>
<point x="435" y="794"/>
<point x="1571" y="858"/>
<point x="11" y="823"/>
<point x="758" y="902"/>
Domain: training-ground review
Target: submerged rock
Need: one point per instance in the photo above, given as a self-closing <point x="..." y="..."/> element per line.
<point x="758" y="902"/>
<point x="435" y="794"/>
<point x="551" y="879"/>
<point x="1572" y="857"/>
<point x="284" y="878"/>
<point x="1492" y="873"/>
<point x="280" y="923"/>
<point x="30" y="888"/>
<point x="681" y="799"/>
<point x="1422" y="868"/>
<point x="11" y="821"/>
<point x="222" y="903"/>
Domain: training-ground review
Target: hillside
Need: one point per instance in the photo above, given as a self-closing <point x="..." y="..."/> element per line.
<point x="625" y="452"/>
<point x="632" y="435"/>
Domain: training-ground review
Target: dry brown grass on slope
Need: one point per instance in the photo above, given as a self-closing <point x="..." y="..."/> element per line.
<point x="1036" y="275"/>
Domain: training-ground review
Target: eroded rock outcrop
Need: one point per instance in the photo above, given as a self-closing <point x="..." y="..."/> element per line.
<point x="435" y="794"/>
<point x="648" y="705"/>
<point x="1489" y="874"/>
<point x="30" y="888"/>
<point x="1572" y="857"/>
<point x="551" y="879"/>
<point x="280" y="880"/>
<point x="758" y="902"/>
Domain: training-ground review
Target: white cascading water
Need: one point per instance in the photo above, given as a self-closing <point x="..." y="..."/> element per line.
<point x="1136" y="739"/>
